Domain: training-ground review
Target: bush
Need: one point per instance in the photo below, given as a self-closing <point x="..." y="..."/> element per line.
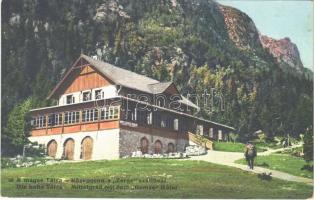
<point x="35" y="150"/>
<point x="20" y="161"/>
<point x="34" y="156"/>
<point x="7" y="163"/>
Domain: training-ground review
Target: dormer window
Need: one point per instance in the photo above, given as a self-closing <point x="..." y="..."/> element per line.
<point x="98" y="94"/>
<point x="86" y="96"/>
<point x="70" y="99"/>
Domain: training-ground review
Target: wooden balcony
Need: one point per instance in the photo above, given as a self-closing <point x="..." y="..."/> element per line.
<point x="92" y="119"/>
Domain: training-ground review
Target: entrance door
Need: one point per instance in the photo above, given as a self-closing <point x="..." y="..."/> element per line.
<point x="158" y="147"/>
<point x="144" y="145"/>
<point x="52" y="148"/>
<point x="170" y="148"/>
<point x="87" y="148"/>
<point x="68" y="153"/>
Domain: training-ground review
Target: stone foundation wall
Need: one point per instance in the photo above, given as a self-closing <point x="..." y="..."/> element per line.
<point x="129" y="141"/>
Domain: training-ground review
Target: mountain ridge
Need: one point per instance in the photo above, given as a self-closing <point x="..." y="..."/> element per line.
<point x="249" y="37"/>
<point x="197" y="44"/>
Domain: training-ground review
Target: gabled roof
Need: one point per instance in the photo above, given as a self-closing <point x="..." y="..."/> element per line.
<point x="124" y="78"/>
<point x="161" y="87"/>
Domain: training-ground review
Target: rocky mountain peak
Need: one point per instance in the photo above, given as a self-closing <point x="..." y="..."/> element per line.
<point x="241" y="28"/>
<point x="244" y="34"/>
<point x="283" y="50"/>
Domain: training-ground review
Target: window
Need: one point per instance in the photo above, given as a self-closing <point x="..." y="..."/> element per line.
<point x="86" y="96"/>
<point x="162" y="123"/>
<point x="150" y="118"/>
<point x="176" y="124"/>
<point x="199" y="129"/>
<point x="90" y="115"/>
<point x="70" y="99"/>
<point x="42" y="121"/>
<point x="104" y="113"/>
<point x="134" y="115"/>
<point x="211" y="133"/>
<point x="141" y="117"/>
<point x="219" y="135"/>
<point x="86" y="116"/>
<point x="39" y="121"/>
<point x="99" y="94"/>
<point x="161" y="102"/>
<point x="33" y="122"/>
<point x="109" y="113"/>
<point x="58" y="119"/>
<point x="71" y="117"/>
<point x="51" y="120"/>
<point x="116" y="112"/>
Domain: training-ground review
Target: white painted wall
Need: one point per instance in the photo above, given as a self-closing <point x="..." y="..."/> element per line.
<point x="105" y="143"/>
<point x="63" y="98"/>
<point x="109" y="92"/>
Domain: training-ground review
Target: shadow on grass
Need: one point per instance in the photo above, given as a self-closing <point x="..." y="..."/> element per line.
<point x="264" y="176"/>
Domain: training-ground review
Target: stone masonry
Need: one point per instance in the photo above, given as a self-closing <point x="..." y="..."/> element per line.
<point x="129" y="141"/>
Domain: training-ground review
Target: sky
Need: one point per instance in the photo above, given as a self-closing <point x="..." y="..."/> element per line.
<point x="279" y="19"/>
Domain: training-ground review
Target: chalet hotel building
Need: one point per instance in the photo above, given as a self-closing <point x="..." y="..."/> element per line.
<point x="106" y="112"/>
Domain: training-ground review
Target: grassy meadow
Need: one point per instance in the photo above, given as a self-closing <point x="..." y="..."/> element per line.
<point x="282" y="162"/>
<point x="235" y="147"/>
<point x="145" y="178"/>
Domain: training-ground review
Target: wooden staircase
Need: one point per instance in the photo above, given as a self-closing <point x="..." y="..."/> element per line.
<point x="201" y="140"/>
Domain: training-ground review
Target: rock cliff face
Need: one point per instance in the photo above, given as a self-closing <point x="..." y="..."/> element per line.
<point x="242" y="31"/>
<point x="241" y="28"/>
<point x="283" y="50"/>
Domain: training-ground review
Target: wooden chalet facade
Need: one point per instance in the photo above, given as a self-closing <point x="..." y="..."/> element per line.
<point x="106" y="112"/>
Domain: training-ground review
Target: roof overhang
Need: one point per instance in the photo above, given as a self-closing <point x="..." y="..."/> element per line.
<point x="76" y="66"/>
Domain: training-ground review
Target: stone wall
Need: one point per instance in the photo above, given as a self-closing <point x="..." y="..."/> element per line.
<point x="129" y="141"/>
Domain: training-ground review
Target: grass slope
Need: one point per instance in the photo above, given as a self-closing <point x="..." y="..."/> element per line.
<point x="240" y="147"/>
<point x="229" y="146"/>
<point x="282" y="162"/>
<point x="188" y="179"/>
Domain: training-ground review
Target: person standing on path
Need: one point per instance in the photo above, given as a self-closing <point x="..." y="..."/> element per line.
<point x="250" y="154"/>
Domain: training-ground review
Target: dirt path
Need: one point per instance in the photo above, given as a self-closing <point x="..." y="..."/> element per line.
<point x="228" y="159"/>
<point x="270" y="151"/>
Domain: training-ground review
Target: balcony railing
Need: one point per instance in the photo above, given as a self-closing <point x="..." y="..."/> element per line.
<point x="75" y="117"/>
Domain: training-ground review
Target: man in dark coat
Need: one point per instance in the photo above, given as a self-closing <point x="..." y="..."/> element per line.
<point x="250" y="154"/>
